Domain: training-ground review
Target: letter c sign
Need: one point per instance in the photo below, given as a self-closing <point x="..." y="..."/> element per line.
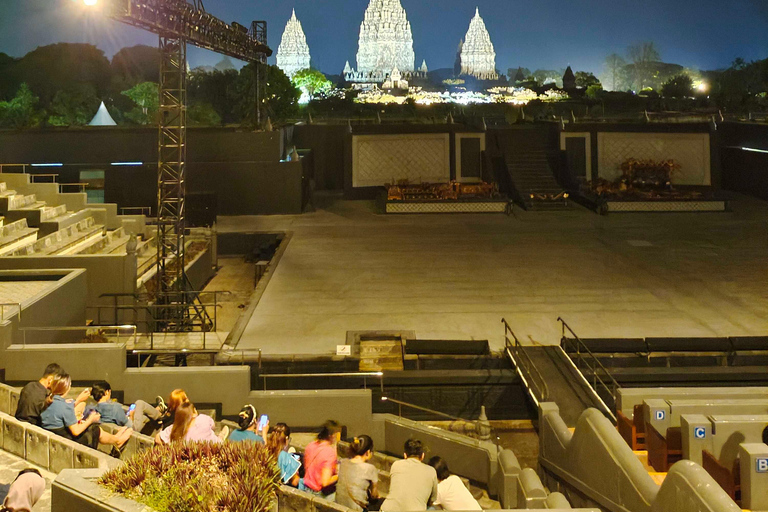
<point x="699" y="432"/>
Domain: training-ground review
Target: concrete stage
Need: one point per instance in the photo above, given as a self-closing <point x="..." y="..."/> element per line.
<point x="348" y="268"/>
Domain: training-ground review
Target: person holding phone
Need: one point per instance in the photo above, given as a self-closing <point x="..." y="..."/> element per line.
<point x="109" y="410"/>
<point x="252" y="427"/>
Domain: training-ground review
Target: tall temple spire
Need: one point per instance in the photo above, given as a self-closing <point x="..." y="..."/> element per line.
<point x="293" y="52"/>
<point x="478" y="57"/>
<point x="386" y="40"/>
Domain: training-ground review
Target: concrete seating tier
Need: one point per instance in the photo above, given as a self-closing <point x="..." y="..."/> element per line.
<point x="19" y="201"/>
<point x="16" y="234"/>
<point x="111" y="242"/>
<point x="62" y="240"/>
<point x="62" y="221"/>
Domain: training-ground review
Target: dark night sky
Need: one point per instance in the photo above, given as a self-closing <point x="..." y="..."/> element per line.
<point x="705" y="34"/>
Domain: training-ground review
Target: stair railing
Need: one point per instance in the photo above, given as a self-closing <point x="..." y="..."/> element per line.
<point x="601" y="377"/>
<point x="529" y="373"/>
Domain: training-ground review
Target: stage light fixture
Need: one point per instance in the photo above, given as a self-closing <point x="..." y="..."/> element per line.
<point x="90" y="3"/>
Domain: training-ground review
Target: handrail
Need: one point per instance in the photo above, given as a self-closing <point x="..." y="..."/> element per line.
<point x="479" y="424"/>
<point x="516" y="352"/>
<point x="364" y="375"/>
<point x="581" y="348"/>
<point x="4" y="305"/>
<point x="117" y="328"/>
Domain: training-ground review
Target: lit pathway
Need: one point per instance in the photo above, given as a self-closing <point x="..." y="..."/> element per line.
<point x="455" y="276"/>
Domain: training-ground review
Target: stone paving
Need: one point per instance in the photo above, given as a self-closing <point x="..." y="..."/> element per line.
<point x="10" y="465"/>
<point x="349" y="268"/>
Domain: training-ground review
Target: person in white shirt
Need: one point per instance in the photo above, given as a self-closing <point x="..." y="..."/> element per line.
<point x="452" y="494"/>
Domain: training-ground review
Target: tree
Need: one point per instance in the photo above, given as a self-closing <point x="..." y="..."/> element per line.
<point x="584" y="79"/>
<point x="21" y="111"/>
<point x="311" y="82"/>
<point x="614" y="68"/>
<point x="137" y="64"/>
<point x="547" y="76"/>
<point x="146" y="96"/>
<point x="680" y="86"/>
<point x="280" y="99"/>
<point x="594" y="91"/>
<point x="75" y="106"/>
<point x="203" y="114"/>
<point x="515" y="73"/>
<point x="643" y="56"/>
<point x="217" y="89"/>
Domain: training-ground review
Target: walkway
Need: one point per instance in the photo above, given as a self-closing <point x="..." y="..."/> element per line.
<point x="455" y="276"/>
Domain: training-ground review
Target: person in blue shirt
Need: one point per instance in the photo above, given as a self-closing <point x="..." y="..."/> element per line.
<point x="60" y="419"/>
<point x="248" y="421"/>
<point x="110" y="411"/>
<point x="278" y="443"/>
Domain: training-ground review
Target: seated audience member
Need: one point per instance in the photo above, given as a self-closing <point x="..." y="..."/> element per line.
<point x="452" y="494"/>
<point x="59" y="417"/>
<point x="413" y="484"/>
<point x="358" y="479"/>
<point x="110" y="411"/>
<point x="321" y="462"/>
<point x="248" y="421"/>
<point x="277" y="442"/>
<point x="188" y="425"/>
<point x="33" y="396"/>
<point x="24" y="492"/>
<point x="151" y="419"/>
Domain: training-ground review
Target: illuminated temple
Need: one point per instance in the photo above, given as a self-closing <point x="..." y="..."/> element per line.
<point x="478" y="57"/>
<point x="293" y="52"/>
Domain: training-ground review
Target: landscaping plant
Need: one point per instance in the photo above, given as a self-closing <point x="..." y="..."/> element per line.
<point x="199" y="477"/>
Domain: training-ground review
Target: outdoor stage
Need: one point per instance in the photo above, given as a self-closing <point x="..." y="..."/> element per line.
<point x="348" y="268"/>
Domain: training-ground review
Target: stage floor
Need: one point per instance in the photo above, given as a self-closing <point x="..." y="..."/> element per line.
<point x="348" y="268"/>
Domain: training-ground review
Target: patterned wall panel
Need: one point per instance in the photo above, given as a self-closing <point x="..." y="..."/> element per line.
<point x="690" y="150"/>
<point x="381" y="159"/>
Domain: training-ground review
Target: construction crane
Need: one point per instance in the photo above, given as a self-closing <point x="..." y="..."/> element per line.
<point x="178" y="23"/>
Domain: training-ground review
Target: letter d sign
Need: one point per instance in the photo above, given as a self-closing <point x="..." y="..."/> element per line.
<point x="660" y="415"/>
<point x="762" y="465"/>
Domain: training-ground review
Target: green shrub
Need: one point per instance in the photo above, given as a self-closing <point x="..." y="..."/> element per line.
<point x="199" y="477"/>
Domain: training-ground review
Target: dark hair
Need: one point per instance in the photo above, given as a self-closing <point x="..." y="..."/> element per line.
<point x="247" y="416"/>
<point x="413" y="448"/>
<point x="360" y="446"/>
<point x="441" y="467"/>
<point x="278" y="434"/>
<point x="53" y="369"/>
<point x="99" y="389"/>
<point x="329" y="429"/>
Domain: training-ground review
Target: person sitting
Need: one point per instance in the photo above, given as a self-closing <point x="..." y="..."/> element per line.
<point x="277" y="443"/>
<point x="357" y="487"/>
<point x="151" y="419"/>
<point x="321" y="462"/>
<point x="25" y="491"/>
<point x="59" y="417"/>
<point x="413" y="484"/>
<point x="248" y="421"/>
<point x="109" y="410"/>
<point x="188" y="425"/>
<point x="32" y="400"/>
<point x="452" y="494"/>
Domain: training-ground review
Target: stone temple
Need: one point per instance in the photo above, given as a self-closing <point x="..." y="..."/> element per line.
<point x="385" y="44"/>
<point x="293" y="52"/>
<point x="478" y="58"/>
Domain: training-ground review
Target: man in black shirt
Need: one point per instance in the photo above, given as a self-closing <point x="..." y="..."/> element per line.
<point x="34" y="394"/>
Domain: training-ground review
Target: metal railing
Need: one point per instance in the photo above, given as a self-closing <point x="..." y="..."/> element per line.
<point x="364" y="375"/>
<point x="136" y="210"/>
<point x="525" y="367"/>
<point x="9" y="167"/>
<point x="112" y="333"/>
<point x="80" y="186"/>
<point x="584" y="358"/>
<point x="479" y="425"/>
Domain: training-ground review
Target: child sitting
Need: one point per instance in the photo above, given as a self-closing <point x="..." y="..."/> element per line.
<point x="110" y="411"/>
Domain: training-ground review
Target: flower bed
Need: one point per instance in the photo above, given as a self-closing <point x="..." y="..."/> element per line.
<point x="204" y="477"/>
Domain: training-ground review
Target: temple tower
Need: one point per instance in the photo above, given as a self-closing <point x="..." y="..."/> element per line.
<point x="478" y="57"/>
<point x="386" y="40"/>
<point x="293" y="52"/>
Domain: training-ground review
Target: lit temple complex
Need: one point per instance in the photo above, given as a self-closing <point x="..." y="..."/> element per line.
<point x="478" y="58"/>
<point x="293" y="52"/>
<point x="385" y="45"/>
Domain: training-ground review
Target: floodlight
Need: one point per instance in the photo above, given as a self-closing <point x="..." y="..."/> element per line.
<point x="90" y="3"/>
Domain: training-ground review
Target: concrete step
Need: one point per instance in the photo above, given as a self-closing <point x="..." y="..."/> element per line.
<point x="62" y="221"/>
<point x="106" y="244"/>
<point x="16" y="234"/>
<point x="62" y="239"/>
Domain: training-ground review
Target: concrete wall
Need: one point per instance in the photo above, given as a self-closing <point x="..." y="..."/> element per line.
<point x="688" y="488"/>
<point x="105" y="273"/>
<point x="720" y="435"/>
<point x="629" y="397"/>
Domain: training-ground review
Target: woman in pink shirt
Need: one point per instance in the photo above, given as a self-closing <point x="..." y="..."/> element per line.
<point x="321" y="462"/>
<point x="188" y="425"/>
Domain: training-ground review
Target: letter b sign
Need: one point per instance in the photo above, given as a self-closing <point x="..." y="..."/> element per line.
<point x="762" y="465"/>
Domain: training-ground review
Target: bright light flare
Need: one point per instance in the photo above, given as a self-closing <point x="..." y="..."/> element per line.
<point x="90" y="3"/>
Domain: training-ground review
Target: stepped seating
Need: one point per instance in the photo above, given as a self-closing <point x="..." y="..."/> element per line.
<point x="16" y="234"/>
<point x="62" y="240"/>
<point x="19" y="202"/>
<point x="110" y="242"/>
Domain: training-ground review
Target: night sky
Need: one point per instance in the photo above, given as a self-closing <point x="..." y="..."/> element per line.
<point x="550" y="34"/>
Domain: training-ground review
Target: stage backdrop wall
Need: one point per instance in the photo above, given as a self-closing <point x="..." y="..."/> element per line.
<point x="690" y="150"/>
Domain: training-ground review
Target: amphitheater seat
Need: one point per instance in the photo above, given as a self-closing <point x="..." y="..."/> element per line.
<point x="607" y="345"/>
<point x="663" y="451"/>
<point x="19" y="202"/>
<point x="689" y="344"/>
<point x="632" y="429"/>
<point x="16" y="234"/>
<point x="745" y="343"/>
<point x="728" y="479"/>
<point x="64" y="241"/>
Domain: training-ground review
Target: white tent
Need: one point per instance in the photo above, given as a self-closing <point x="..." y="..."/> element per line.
<point x="102" y="117"/>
